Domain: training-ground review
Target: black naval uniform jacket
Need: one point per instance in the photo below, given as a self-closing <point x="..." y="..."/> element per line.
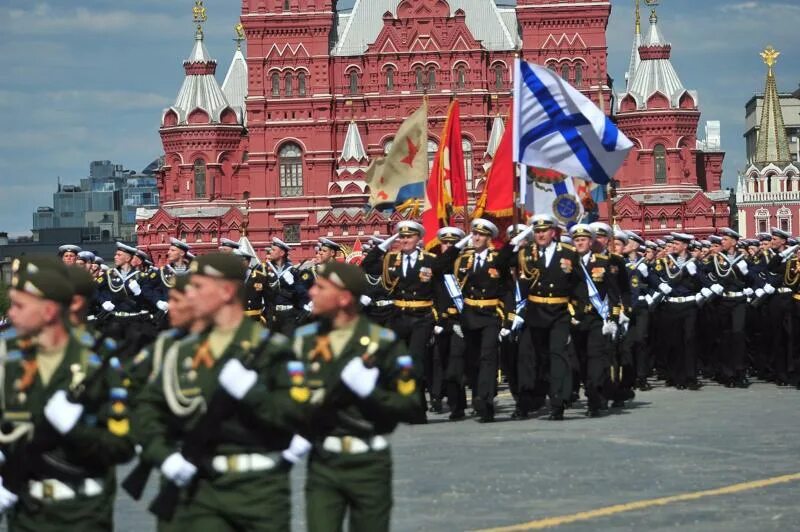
<point x="255" y="287"/>
<point x="684" y="285"/>
<point x="638" y="283"/>
<point x="483" y="288"/>
<point x="279" y="291"/>
<point x="114" y="286"/>
<point x="733" y="281"/>
<point x="605" y="278"/>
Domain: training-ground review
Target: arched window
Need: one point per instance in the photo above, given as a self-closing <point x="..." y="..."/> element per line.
<point x="431" y="79"/>
<point x="551" y="66"/>
<point x="290" y="168"/>
<point x="660" y="164"/>
<point x="662" y="222"/>
<point x="565" y="72"/>
<point x="287" y="83"/>
<point x="199" y="178"/>
<point x="353" y="82"/>
<point x="433" y="147"/>
<point x="419" y="77"/>
<point x="498" y="76"/>
<point x="390" y="79"/>
<point x="578" y="75"/>
<point x="286" y="5"/>
<point x="461" y="77"/>
<point x="466" y="147"/>
<point x="276" y="84"/>
<point x="301" y="84"/>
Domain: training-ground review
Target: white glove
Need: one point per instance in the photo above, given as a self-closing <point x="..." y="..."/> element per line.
<point x="7" y="499"/>
<point x="691" y="268"/>
<point x="759" y="293"/>
<point x="386" y="244"/>
<point x="503" y="333"/>
<point x="62" y="413"/>
<point x="665" y="289"/>
<point x="517" y="240"/>
<point x="236" y="379"/>
<point x="288" y="277"/>
<point x="643" y="269"/>
<point x="517" y="322"/>
<point x="717" y="289"/>
<point x="623" y="318"/>
<point x="308" y="307"/>
<point x="769" y="289"/>
<point x="437" y="329"/>
<point x="134" y="287"/>
<point x="108" y="306"/>
<point x="457" y="330"/>
<point x="648" y="299"/>
<point x="359" y="378"/>
<point x="742" y="265"/>
<point x="461" y="244"/>
<point x="609" y="328"/>
<point x="162" y="306"/>
<point x="365" y="300"/>
<point x="179" y="470"/>
<point x="748" y="292"/>
<point x="706" y="292"/>
<point x="298" y="448"/>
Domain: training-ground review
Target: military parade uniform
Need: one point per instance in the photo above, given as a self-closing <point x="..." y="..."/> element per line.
<point x="287" y="294"/>
<point x="637" y="339"/>
<point x="255" y="288"/>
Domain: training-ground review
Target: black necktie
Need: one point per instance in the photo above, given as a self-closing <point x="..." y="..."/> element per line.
<point x="408" y="264"/>
<point x="478" y="263"/>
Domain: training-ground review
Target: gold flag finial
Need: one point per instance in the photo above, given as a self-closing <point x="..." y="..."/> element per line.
<point x="770" y="56"/>
<point x="638" y="19"/>
<point x="239" y="35"/>
<point x="199" y="16"/>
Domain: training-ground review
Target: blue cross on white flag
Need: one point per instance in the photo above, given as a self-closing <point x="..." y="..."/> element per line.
<point x="557" y="127"/>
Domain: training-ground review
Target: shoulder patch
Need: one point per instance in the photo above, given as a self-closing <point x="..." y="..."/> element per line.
<point x="567" y="246"/>
<point x="153" y="275"/>
<point x="405" y="362"/>
<point x="87" y="339"/>
<point x="110" y="344"/>
<point x="307" y="330"/>
<point x="387" y="334"/>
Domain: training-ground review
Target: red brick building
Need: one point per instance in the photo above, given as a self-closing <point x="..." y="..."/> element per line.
<point x="282" y="145"/>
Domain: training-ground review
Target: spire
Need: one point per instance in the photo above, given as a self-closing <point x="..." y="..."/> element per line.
<point x="200" y="89"/>
<point x="235" y="85"/>
<point x="498" y="128"/>
<point x="773" y="146"/>
<point x="637" y="42"/>
<point x="353" y="149"/>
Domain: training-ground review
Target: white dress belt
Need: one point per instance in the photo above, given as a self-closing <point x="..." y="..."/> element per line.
<point x="55" y="490"/>
<point x="244" y="463"/>
<point x="353" y="445"/>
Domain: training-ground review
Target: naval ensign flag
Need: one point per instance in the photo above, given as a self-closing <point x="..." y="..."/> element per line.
<point x="557" y="127"/>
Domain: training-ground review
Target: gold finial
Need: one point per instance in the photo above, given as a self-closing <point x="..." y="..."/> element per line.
<point x="638" y="19"/>
<point x="770" y="56"/>
<point x="239" y="35"/>
<point x="199" y="16"/>
<point x="653" y="15"/>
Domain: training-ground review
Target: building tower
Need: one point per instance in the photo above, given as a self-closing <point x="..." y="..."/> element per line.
<point x="667" y="182"/>
<point x="768" y="193"/>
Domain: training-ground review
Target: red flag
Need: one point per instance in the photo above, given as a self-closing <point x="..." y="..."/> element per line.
<point x="497" y="197"/>
<point x="447" y="184"/>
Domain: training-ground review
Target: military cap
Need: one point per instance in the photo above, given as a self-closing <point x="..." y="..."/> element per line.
<point x="668" y="238"/>
<point x="68" y="248"/>
<point x="694" y="244"/>
<point x="179" y="244"/>
<point x="755" y="243"/>
<point x="661" y="243"/>
<point x="346" y="276"/>
<point x="86" y="256"/>
<point x="705" y="243"/>
<point x="682" y="237"/>
<point x="764" y="237"/>
<point x="791" y="241"/>
<point x="484" y="227"/>
<point x="219" y="266"/>
<point x="581" y="230"/>
<point x="622" y="236"/>
<point x="142" y="255"/>
<point x="649" y="244"/>
<point x="780" y="233"/>
<point x="243" y="254"/>
<point x="512" y="230"/>
<point x="181" y="282"/>
<point x="602" y="229"/>
<point x="564" y="239"/>
<point x="714" y="239"/>
<point x="105" y="267"/>
<point x="410" y="227"/>
<point x="190" y="256"/>
<point x="227" y="243"/>
<point x="543" y="221"/>
<point x="330" y="244"/>
<point x="83" y="284"/>
<point x="635" y="237"/>
<point x="450" y="234"/>
<point x="281" y="244"/>
<point x="99" y="260"/>
<point x="42" y="277"/>
<point x="121" y="246"/>
<point x="730" y="233"/>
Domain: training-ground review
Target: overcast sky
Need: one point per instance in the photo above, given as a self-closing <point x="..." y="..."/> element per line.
<point x="84" y="80"/>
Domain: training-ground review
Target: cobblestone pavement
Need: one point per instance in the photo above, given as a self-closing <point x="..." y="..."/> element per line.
<point x="467" y="476"/>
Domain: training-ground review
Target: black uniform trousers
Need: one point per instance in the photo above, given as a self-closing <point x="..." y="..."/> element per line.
<point x="731" y="315"/>
<point x="637" y="341"/>
<point x="415" y="327"/>
<point x="592" y="349"/>
<point x="481" y="351"/>
<point x="282" y="321"/>
<point x="547" y="361"/>
<point x="680" y="341"/>
<point x="778" y="311"/>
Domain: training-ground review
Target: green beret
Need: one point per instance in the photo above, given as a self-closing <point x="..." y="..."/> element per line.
<point x="347" y="276"/>
<point x="43" y="277"/>
<point x="82" y="281"/>
<point x="181" y="282"/>
<point x="219" y="266"/>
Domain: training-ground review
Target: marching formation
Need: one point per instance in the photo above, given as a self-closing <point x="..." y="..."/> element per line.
<point x="221" y="372"/>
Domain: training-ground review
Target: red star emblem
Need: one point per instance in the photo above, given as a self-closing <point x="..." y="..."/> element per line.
<point x="412" y="152"/>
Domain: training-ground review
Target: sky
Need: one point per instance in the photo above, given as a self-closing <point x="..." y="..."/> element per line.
<point x="86" y="80"/>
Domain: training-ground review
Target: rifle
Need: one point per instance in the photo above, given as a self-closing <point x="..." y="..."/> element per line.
<point x="198" y="442"/>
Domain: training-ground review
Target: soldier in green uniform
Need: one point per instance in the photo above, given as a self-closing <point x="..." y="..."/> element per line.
<point x="364" y="381"/>
<point x="61" y="438"/>
<point x="241" y="483"/>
